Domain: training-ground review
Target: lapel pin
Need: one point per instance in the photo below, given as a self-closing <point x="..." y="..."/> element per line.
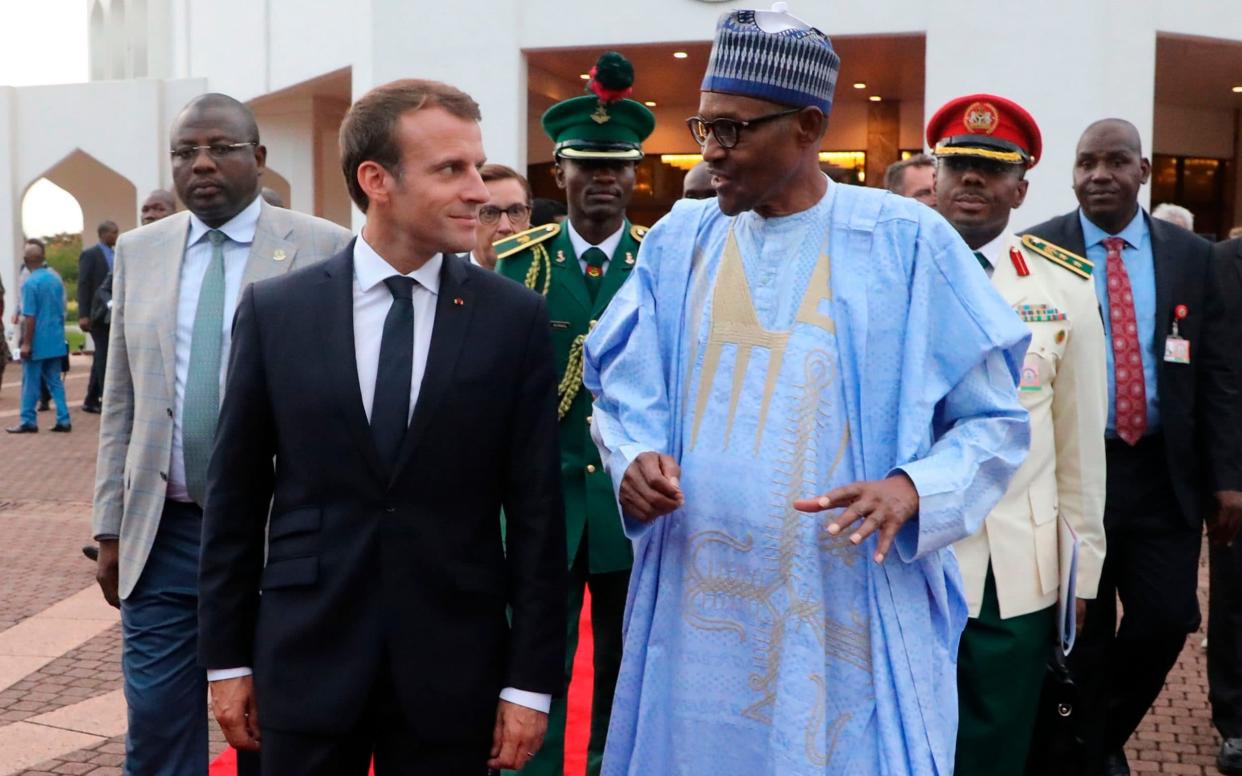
<point x="457" y="300"/>
<point x="629" y="258"/>
<point x="279" y="254"/>
<point x="1060" y="336"/>
<point x="560" y="257"/>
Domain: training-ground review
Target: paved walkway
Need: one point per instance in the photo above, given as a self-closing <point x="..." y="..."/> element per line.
<point x="61" y="708"/>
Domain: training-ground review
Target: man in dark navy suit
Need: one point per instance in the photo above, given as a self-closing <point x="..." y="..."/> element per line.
<point x="1171" y="445"/>
<point x="425" y="404"/>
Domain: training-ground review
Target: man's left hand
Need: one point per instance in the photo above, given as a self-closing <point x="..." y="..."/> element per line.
<point x="25" y="351"/>
<point x="1080" y="613"/>
<point x="883" y="505"/>
<point x="517" y="736"/>
<point x="1224" y="525"/>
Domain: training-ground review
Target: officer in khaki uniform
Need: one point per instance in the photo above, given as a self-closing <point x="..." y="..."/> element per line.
<point x="1011" y="568"/>
<point x="579" y="265"/>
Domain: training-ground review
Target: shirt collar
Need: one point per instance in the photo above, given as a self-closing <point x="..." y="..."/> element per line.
<point x="994" y="250"/>
<point x="370" y="268"/>
<point x="107" y="249"/>
<point x="240" y="228"/>
<point x="581" y="246"/>
<point x="1133" y="234"/>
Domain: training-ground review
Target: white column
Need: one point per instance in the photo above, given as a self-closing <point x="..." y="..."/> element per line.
<point x="1099" y="65"/>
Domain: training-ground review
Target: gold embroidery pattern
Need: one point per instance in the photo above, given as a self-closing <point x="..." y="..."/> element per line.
<point x="720" y="576"/>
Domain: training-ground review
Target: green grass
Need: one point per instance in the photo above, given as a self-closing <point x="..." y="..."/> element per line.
<point x="76" y="338"/>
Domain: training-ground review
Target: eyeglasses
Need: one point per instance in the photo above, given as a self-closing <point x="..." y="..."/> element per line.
<point x="518" y="214"/>
<point x="215" y="150"/>
<point x="727" y="131"/>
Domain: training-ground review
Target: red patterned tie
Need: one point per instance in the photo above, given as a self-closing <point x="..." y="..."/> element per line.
<point x="1131" y="393"/>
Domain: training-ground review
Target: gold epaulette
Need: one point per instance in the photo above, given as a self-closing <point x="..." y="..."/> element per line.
<point x="638" y="232"/>
<point x="1059" y="256"/>
<point x="523" y="240"/>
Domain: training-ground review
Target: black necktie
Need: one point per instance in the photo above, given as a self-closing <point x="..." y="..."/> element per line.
<point x="983" y="261"/>
<point x="390" y="409"/>
<point x="594" y="259"/>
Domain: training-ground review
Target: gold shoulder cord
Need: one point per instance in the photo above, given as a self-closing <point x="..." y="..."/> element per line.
<point x="540" y="260"/>
<point x="571" y="381"/>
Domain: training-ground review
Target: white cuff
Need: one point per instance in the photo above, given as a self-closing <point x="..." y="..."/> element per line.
<point x="531" y="700"/>
<point x="219" y="674"/>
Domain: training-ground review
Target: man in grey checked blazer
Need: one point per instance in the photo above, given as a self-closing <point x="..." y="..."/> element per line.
<point x="175" y="284"/>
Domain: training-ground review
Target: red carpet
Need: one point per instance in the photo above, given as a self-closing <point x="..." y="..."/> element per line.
<point x="578" y="717"/>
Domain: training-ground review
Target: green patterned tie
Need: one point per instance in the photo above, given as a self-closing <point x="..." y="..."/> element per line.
<point x="594" y="259"/>
<point x="983" y="261"/>
<point x="202" y="384"/>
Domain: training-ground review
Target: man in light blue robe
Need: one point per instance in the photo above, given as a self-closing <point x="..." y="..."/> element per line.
<point x="791" y="347"/>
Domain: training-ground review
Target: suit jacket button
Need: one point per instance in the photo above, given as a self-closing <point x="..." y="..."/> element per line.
<point x="589" y="417"/>
<point x="590" y="468"/>
<point x="164" y="476"/>
<point x="390" y="508"/>
<point x="170" y="412"/>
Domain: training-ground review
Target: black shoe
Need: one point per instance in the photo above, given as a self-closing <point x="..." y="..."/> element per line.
<point x="1116" y="764"/>
<point x="90" y="551"/>
<point x="93" y="409"/>
<point x="44" y="406"/>
<point x="62" y="428"/>
<point x="1229" y="761"/>
<point x="23" y="429"/>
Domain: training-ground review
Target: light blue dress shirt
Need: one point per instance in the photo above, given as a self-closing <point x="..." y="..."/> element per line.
<point x="1141" y="267"/>
<point x="240" y="231"/>
<point x="108" y="253"/>
<point x="43" y="298"/>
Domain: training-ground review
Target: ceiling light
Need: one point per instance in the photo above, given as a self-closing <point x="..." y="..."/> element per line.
<point x="650" y="103"/>
<point x="680" y="55"/>
<point x="585" y="76"/>
<point x="1237" y="89"/>
<point x="875" y="98"/>
<point x="860" y="85"/>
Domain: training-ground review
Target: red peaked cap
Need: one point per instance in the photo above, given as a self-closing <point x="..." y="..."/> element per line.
<point x="988" y="126"/>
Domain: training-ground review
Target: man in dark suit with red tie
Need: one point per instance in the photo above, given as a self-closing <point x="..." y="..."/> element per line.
<point x="1172" y="451"/>
<point x="393" y="622"/>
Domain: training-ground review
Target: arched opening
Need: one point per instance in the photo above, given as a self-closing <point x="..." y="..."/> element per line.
<point x="279" y="184"/>
<point x="65" y="205"/>
<point x="99" y="42"/>
<point x="117" y="39"/>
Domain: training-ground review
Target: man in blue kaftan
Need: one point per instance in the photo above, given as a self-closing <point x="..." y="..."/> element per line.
<point x="796" y="346"/>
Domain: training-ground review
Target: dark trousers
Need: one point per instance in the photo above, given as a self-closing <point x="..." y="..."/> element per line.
<point x="382" y="732"/>
<point x="1001" y="666"/>
<point x="94" y="388"/>
<point x="165" y="689"/>
<point x="1152" y="566"/>
<point x="1224" y="652"/>
<point x="607" y="609"/>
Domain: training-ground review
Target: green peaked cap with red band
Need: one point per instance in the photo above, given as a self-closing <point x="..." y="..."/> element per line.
<point x="604" y="124"/>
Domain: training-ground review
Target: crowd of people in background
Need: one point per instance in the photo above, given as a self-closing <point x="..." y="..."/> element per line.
<point x="854" y="481"/>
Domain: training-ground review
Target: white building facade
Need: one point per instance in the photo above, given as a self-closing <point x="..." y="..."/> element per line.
<point x="1170" y="68"/>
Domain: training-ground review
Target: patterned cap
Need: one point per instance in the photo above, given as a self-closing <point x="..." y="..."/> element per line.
<point x="773" y="56"/>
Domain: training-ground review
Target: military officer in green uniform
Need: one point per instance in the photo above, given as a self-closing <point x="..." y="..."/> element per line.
<point x="579" y="265"/>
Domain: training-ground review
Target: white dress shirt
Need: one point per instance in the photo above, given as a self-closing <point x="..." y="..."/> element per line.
<point x="994" y="251"/>
<point x="581" y="246"/>
<point x="372" y="300"/>
<point x="240" y="232"/>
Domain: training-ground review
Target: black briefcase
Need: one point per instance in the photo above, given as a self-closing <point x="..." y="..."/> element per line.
<point x="1057" y="748"/>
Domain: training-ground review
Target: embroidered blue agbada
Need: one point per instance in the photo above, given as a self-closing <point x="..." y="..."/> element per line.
<point x="776" y="359"/>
